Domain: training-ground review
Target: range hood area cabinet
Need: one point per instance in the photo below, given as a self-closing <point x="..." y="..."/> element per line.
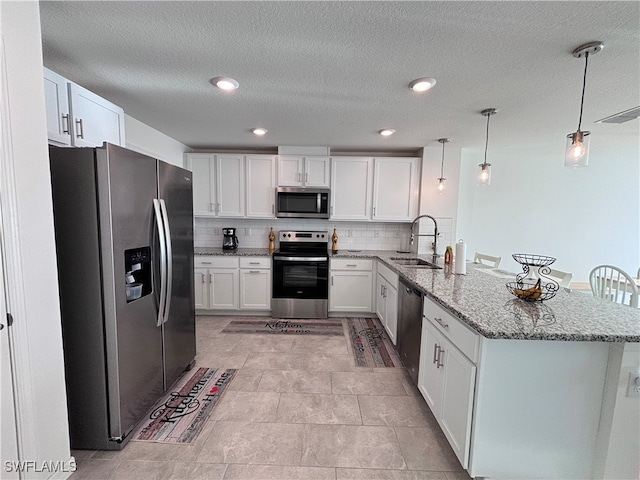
<point x="80" y="118"/>
<point x="233" y="185"/>
<point x="384" y="189"/>
<point x="303" y="171"/>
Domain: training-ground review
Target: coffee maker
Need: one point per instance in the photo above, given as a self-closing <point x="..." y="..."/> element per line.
<point x="229" y="241"/>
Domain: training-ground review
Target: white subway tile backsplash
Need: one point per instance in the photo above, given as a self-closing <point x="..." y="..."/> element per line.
<point x="351" y="235"/>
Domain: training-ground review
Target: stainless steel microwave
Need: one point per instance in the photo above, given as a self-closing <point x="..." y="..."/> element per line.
<point x="300" y="202"/>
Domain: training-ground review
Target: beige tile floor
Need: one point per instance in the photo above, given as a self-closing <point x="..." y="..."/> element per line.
<point x="298" y="408"/>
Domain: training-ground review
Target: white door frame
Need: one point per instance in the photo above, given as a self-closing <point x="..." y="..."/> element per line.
<point x="13" y="285"/>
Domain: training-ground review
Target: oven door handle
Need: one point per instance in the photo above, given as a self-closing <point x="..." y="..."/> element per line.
<point x="301" y="259"/>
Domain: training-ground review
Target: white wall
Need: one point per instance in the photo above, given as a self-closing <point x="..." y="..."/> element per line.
<point x="32" y="284"/>
<point x="583" y="217"/>
<point x="441" y="205"/>
<point x="144" y="139"/>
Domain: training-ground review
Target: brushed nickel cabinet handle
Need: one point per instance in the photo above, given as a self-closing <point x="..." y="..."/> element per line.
<point x="65" y="121"/>
<point x="441" y="322"/>
<point x="80" y="129"/>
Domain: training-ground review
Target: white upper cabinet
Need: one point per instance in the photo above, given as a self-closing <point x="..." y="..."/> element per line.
<point x="395" y="189"/>
<point x="230" y="185"/>
<point x="384" y="189"/>
<point x="351" y="188"/>
<point x="57" y="103"/>
<point x="78" y="117"/>
<point x="218" y="184"/>
<point x="261" y="185"/>
<point x="203" y="168"/>
<point x="303" y="171"/>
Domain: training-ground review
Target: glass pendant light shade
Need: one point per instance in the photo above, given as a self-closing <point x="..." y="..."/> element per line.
<point x="441" y="180"/>
<point x="577" y="151"/>
<point x="484" y="175"/>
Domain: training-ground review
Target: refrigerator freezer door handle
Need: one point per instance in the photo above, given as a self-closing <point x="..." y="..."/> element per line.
<point x="169" y="256"/>
<point x="163" y="261"/>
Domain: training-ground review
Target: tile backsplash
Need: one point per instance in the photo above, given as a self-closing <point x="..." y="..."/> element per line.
<point x="254" y="233"/>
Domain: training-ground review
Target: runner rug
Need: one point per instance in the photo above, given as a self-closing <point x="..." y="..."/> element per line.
<point x="178" y="417"/>
<point x="370" y="344"/>
<point x="320" y="326"/>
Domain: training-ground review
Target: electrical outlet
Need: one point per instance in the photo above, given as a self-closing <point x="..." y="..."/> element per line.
<point x="217" y="231"/>
<point x="349" y="233"/>
<point x="633" y="389"/>
<point x="247" y="232"/>
<point x="376" y="233"/>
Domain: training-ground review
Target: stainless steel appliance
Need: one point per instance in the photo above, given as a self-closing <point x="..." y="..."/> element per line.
<point x="302" y="202"/>
<point x="229" y="239"/>
<point x="301" y="275"/>
<point x="124" y="244"/>
<point x="410" y="328"/>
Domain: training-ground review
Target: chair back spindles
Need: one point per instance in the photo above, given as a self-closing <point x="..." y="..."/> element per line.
<point x="614" y="285"/>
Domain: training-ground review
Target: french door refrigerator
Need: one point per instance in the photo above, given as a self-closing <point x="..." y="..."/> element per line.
<point x="124" y="245"/>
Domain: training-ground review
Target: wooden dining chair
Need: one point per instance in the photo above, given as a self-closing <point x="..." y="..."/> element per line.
<point x="488" y="260"/>
<point x="563" y="278"/>
<point x="614" y="284"/>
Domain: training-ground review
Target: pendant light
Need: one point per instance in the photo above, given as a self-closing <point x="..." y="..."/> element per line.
<point x="484" y="176"/>
<point x="577" y="150"/>
<point x="441" y="180"/>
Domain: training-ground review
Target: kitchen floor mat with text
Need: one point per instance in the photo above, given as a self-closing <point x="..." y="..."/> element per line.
<point x="178" y="417"/>
<point x="370" y="344"/>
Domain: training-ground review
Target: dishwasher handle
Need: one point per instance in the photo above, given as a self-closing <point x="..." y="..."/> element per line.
<point x="411" y="290"/>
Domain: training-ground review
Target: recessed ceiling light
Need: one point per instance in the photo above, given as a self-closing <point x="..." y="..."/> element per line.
<point x="259" y="131"/>
<point x="422" y="84"/>
<point x="385" y="132"/>
<point x="225" y="83"/>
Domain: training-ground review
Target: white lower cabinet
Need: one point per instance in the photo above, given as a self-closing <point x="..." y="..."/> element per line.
<point x="447" y="377"/>
<point x="386" y="295"/>
<point x="350" y="285"/>
<point x="216" y="283"/>
<point x="232" y="283"/>
<point x="255" y="283"/>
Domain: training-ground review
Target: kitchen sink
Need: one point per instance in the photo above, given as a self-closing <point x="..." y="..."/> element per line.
<point x="414" y="262"/>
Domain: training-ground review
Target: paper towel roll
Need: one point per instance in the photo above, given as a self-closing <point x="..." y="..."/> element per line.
<point x="460" y="259"/>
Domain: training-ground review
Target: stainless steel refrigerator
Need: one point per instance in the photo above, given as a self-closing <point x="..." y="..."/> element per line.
<point x="124" y="245"/>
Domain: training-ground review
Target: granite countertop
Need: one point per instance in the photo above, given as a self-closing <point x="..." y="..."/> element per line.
<point x="481" y="300"/>
<point x="240" y="252"/>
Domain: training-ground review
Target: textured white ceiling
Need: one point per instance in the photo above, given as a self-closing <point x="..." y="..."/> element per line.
<point x="334" y="73"/>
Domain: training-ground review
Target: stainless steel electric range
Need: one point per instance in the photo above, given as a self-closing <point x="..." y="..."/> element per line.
<point x="301" y="275"/>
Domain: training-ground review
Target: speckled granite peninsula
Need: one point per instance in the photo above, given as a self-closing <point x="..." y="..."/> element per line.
<point x="481" y="300"/>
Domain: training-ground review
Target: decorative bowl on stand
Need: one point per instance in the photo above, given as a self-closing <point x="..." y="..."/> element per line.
<point x="533" y="288"/>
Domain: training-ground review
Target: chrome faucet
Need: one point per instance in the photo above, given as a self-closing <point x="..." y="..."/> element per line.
<point x="434" y="234"/>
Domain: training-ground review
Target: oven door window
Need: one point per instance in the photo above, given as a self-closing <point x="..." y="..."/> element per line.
<point x="300" y="279"/>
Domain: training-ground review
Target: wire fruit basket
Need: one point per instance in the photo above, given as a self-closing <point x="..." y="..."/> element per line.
<point x="530" y="288"/>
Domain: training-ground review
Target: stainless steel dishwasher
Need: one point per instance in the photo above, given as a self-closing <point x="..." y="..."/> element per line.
<point x="410" y="328"/>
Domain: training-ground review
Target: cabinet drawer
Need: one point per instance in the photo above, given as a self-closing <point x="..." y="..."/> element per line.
<point x="351" y="264"/>
<point x="388" y="274"/>
<point x="461" y="336"/>
<point x="215" y="261"/>
<point x="255" y="262"/>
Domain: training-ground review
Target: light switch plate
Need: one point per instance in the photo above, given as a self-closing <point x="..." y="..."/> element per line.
<point x="633" y="389"/>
